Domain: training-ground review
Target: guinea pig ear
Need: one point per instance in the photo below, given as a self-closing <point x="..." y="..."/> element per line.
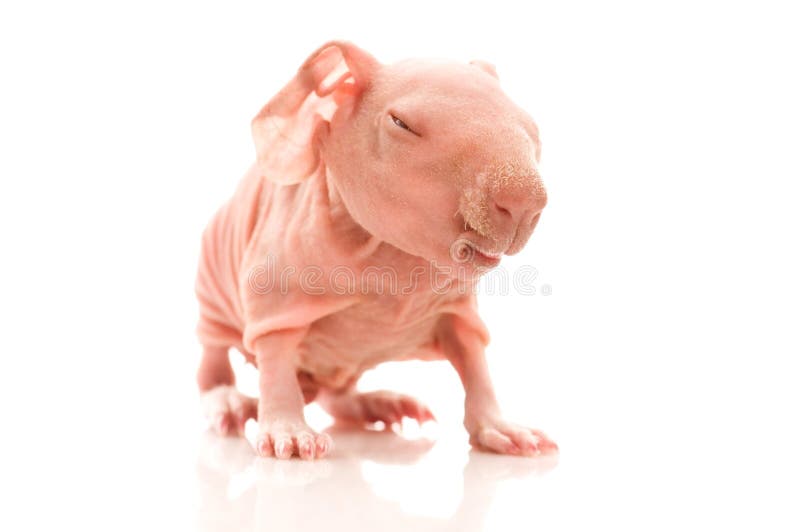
<point x="486" y="67"/>
<point x="288" y="130"/>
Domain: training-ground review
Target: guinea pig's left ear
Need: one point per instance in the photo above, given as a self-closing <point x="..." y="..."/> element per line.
<point x="288" y="130"/>
<point x="486" y="67"/>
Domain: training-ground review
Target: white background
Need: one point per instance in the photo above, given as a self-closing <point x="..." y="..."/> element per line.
<point x="663" y="362"/>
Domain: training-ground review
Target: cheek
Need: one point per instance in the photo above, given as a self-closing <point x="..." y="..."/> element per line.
<point x="431" y="215"/>
<point x="416" y="216"/>
<point x="395" y="192"/>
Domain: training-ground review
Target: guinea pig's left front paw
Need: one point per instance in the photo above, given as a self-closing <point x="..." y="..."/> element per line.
<point x="499" y="436"/>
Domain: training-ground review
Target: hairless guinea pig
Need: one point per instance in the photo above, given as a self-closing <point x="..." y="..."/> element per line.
<point x="379" y="196"/>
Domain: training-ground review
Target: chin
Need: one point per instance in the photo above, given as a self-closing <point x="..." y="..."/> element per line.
<point x="462" y="272"/>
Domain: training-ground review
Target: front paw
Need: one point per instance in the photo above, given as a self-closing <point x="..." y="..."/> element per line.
<point x="284" y="438"/>
<point x="499" y="436"/>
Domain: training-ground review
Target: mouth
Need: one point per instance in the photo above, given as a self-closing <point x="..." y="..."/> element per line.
<point x="485" y="261"/>
<point x="484" y="257"/>
<point x="466" y="248"/>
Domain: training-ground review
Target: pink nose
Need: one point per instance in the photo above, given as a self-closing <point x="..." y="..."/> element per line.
<point x="518" y="205"/>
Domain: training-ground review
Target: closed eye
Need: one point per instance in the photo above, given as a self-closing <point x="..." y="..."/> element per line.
<point x="402" y="125"/>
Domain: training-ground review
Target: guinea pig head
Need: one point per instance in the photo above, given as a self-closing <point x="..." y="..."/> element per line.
<point x="429" y="156"/>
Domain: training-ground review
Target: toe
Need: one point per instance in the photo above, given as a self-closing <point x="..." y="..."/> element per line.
<point x="525" y="441"/>
<point x="324" y="444"/>
<point x="394" y="413"/>
<point x="241" y="416"/>
<point x="415" y="410"/>
<point x="284" y="447"/>
<point x="221" y="422"/>
<point x="496" y="441"/>
<point x="243" y="408"/>
<point x="306" y="445"/>
<point x="225" y="424"/>
<point x="387" y="411"/>
<point x="229" y="424"/>
<point x="544" y="443"/>
<point x="409" y="408"/>
<point x="265" y="446"/>
<point x="227" y="409"/>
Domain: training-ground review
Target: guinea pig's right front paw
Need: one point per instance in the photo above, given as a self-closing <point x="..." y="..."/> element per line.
<point x="284" y="439"/>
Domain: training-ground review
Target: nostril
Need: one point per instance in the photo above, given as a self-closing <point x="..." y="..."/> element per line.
<point x="502" y="209"/>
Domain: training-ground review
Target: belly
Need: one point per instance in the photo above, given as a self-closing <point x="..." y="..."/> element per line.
<point x="340" y="347"/>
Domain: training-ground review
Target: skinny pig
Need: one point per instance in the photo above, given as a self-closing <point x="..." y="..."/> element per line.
<point x="379" y="196"/>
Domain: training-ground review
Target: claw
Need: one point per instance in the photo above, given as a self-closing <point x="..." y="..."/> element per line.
<point x="286" y="439"/>
<point x="305" y="446"/>
<point x="223" y="423"/>
<point x="284" y="448"/>
<point x="264" y="447"/>
<point x="390" y="407"/>
<point x="323" y="444"/>
<point x="508" y="438"/>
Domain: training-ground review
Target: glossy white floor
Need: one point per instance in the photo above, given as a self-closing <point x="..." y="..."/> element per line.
<point x="374" y="481"/>
<point x="632" y="457"/>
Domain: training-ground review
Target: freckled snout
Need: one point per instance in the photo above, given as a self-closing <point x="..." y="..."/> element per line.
<point x="516" y="206"/>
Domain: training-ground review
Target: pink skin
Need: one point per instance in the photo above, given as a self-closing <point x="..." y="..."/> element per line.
<point x="424" y="170"/>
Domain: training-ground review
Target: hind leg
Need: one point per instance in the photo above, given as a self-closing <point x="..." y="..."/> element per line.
<point x="388" y="407"/>
<point x="226" y="409"/>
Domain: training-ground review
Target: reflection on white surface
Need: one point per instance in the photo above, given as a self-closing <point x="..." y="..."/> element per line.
<point x="372" y="481"/>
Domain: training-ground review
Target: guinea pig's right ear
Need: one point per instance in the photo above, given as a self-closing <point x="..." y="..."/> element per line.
<point x="288" y="130"/>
